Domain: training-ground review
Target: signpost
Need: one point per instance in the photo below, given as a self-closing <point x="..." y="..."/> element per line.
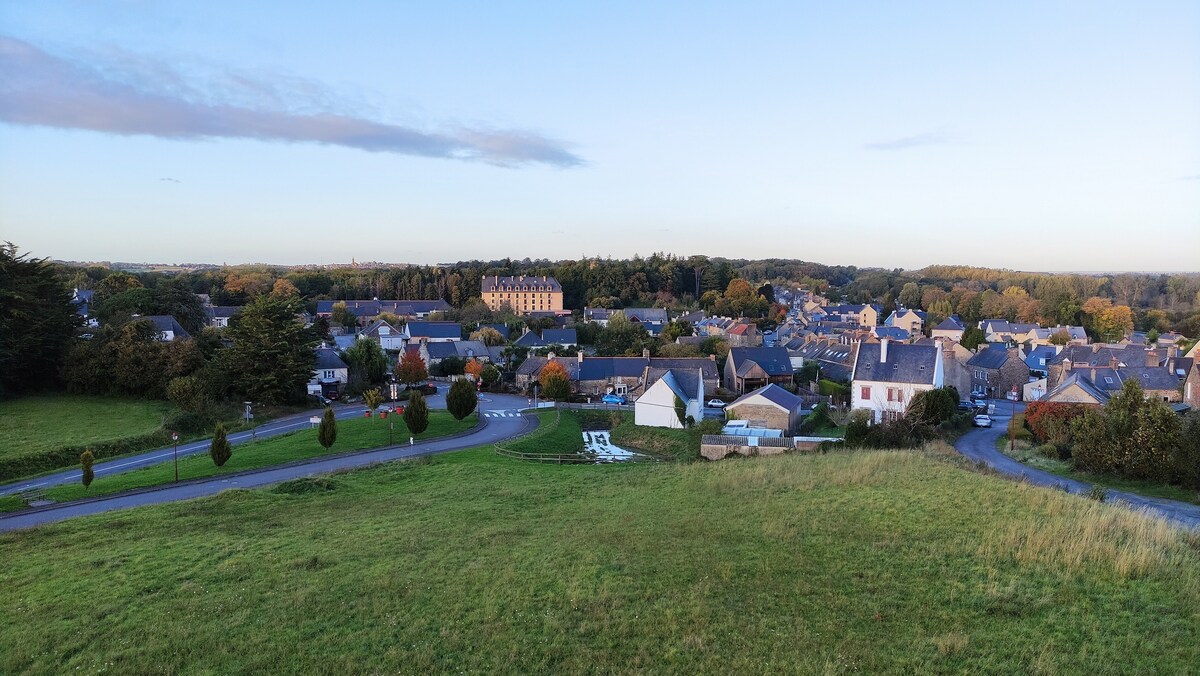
<point x="175" y="440"/>
<point x="1012" y="421"/>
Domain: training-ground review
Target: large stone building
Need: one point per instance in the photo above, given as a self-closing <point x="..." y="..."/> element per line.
<point x="523" y="294"/>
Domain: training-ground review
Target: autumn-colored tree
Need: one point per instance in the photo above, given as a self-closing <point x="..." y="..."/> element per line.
<point x="488" y="336"/>
<point x="1114" y="322"/>
<point x="372" y="398"/>
<point x="553" y="367"/>
<point x="1060" y="337"/>
<point x="555" y="386"/>
<point x="473" y="368"/>
<point x="284" y="288"/>
<point x="250" y="283"/>
<point x="411" y="368"/>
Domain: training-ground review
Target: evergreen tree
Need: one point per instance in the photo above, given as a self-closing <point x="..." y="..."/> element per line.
<point x="327" y="431"/>
<point x="37" y="321"/>
<point x="220" y="450"/>
<point x="416" y="414"/>
<point x="86" y="460"/>
<point x="271" y="356"/>
<point x="461" y="399"/>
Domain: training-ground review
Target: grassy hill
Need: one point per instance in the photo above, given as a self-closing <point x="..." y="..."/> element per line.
<point x="869" y="562"/>
<point x="36" y="424"/>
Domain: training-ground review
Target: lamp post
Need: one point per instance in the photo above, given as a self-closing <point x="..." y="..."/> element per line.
<point x="248" y="415"/>
<point x="175" y="441"/>
<point x="1012" y="421"/>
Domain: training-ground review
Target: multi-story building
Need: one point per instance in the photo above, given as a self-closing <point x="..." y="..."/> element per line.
<point x="523" y="294"/>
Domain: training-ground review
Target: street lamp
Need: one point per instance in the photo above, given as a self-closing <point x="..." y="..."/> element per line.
<point x="175" y="441"/>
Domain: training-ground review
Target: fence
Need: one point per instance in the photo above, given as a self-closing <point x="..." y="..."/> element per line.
<point x="563" y="405"/>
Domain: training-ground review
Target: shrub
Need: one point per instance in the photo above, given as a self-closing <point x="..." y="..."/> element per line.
<point x="86" y="460"/>
<point x="416" y="414"/>
<point x="461" y="400"/>
<point x="305" y="485"/>
<point x="933" y="407"/>
<point x="1097" y="493"/>
<point x="189" y="393"/>
<point x="220" y="450"/>
<point x="1050" y="422"/>
<point x="1050" y="451"/>
<point x="858" y="427"/>
<point x="327" y="432"/>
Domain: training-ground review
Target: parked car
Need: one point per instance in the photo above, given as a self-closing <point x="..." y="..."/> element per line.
<point x="613" y="399"/>
<point x="980" y="402"/>
<point x="966" y="406"/>
<point x="423" y="388"/>
<point x="715" y="403"/>
<point x="983" y="420"/>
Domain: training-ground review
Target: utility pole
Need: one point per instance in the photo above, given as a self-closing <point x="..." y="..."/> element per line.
<point x="175" y="441"/>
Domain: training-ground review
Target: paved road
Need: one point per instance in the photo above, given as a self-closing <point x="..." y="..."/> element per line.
<point x="495" y="428"/>
<point x="980" y="445"/>
<point x="264" y="431"/>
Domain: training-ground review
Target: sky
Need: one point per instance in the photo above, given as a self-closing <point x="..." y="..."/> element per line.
<point x="1026" y="135"/>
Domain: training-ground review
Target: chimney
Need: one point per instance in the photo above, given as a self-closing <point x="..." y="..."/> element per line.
<point x="579" y="357"/>
<point x="883" y="351"/>
<point x="645" y="353"/>
<point x="712" y="357"/>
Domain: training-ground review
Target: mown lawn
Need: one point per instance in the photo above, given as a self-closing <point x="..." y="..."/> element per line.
<point x="1027" y="454"/>
<point x="870" y="562"/>
<point x="555" y="435"/>
<point x="678" y="443"/>
<point x="353" y="434"/>
<point x="35" y="424"/>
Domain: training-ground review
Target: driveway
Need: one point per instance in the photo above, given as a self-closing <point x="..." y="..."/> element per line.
<point x="493" y="430"/>
<point x="980" y="445"/>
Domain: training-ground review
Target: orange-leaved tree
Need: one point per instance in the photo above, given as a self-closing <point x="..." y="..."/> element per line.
<point x="411" y="368"/>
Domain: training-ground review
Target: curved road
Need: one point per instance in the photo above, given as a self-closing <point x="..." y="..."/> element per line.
<point x="273" y="428"/>
<point x="495" y="428"/>
<point x="980" y="445"/>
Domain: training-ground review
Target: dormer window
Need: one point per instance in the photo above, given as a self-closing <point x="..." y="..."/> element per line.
<point x="1108" y="380"/>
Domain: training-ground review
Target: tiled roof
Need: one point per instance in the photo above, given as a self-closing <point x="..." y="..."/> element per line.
<point x="559" y="336"/>
<point x="602" y="368"/>
<point x="685" y="383"/>
<point x="434" y="329"/>
<point x="328" y="360"/>
<point x="704" y="364"/>
<point x="991" y="357"/>
<point x="774" y="394"/>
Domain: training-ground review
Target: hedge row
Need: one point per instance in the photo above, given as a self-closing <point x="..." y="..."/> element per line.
<point x="17" y="467"/>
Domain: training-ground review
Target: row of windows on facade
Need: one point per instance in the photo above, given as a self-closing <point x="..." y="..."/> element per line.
<point x="893" y="393"/>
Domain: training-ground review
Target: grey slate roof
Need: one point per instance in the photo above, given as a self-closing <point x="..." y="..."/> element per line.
<point x="328" y="360"/>
<point x="773" y="360"/>
<point x="992" y="357"/>
<point x="559" y="336"/>
<point x="685" y="383"/>
<point x="529" y="339"/>
<point x="646" y="314"/>
<point x="1034" y="359"/>
<point x="167" y="323"/>
<point x="441" y="350"/>
<point x="951" y="323"/>
<point x="521" y="283"/>
<point x="1077" y="378"/>
<point x="703" y="364"/>
<point x="603" y="368"/>
<point x="532" y="366"/>
<point x="905" y="363"/>
<point x="893" y="332"/>
<point x="214" y="311"/>
<point x="434" y="330"/>
<point x="468" y="349"/>
<point x="774" y="394"/>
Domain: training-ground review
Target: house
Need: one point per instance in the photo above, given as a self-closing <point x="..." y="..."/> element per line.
<point x="1004" y="331"/>
<point x="530" y="369"/>
<point x="330" y="374"/>
<point x="168" y="328"/>
<point x="771" y="407"/>
<point x="857" y="315"/>
<point x="219" y="315"/>
<point x="82" y="300"/>
<point x="887" y="376"/>
<point x="367" y="310"/>
<point x="692" y="317"/>
<point x="389" y="337"/>
<point x="743" y="334"/>
<point x="646" y="315"/>
<point x="1075" y="335"/>
<point x="563" y="337"/>
<point x="747" y="368"/>
<point x="1082" y="385"/>
<point x="502" y="329"/>
<point x="951" y="327"/>
<point x="997" y="371"/>
<point x="707" y="366"/>
<point x="1038" y="359"/>
<point x="896" y="333"/>
<point x="1076" y="388"/>
<point x="954" y="363"/>
<point x="656" y="406"/>
<point x="912" y="321"/>
<point x="834" y="358"/>
<point x="599" y="315"/>
<point x="1074" y="357"/>
<point x="434" y="332"/>
<point x="522" y="294"/>
<point x="617" y="375"/>
<point x="472" y="349"/>
<point x="1191" y="387"/>
<point x="435" y="352"/>
<point x="529" y="339"/>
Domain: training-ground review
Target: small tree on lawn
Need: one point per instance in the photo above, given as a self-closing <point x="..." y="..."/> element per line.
<point x="373" y="398"/>
<point x="327" y="431"/>
<point x="556" y="385"/>
<point x="86" y="460"/>
<point x="681" y="411"/>
<point x="220" y="450"/>
<point x="461" y="399"/>
<point x="411" y="368"/>
<point x="416" y="414"/>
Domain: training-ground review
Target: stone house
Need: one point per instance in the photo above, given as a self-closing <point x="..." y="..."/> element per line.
<point x="748" y="368"/>
<point x="996" y="370"/>
<point x="771" y="407"/>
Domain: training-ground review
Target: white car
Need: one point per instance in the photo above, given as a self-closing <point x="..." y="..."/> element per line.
<point x="715" y="403"/>
<point x="983" y="420"/>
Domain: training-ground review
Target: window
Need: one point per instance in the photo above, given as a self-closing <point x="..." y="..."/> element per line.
<point x="865" y="393"/>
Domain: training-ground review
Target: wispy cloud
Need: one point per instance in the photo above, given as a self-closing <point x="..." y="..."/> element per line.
<point x="120" y="93"/>
<point x="927" y="139"/>
<point x="1193" y="177"/>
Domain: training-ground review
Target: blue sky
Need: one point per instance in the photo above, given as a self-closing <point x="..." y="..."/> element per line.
<point x="1048" y="136"/>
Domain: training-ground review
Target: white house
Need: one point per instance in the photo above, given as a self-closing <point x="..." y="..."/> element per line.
<point x="887" y="376"/>
<point x="656" y="406"/>
<point x="388" y="336"/>
<point x="329" y="375"/>
<point x="168" y="328"/>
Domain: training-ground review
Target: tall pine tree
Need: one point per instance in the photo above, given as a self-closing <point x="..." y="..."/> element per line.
<point x="271" y="356"/>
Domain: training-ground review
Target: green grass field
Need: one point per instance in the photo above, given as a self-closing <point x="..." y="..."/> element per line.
<point x="1026" y="453"/>
<point x="555" y="435"/>
<point x="680" y="444"/>
<point x="848" y="562"/>
<point x="35" y="424"/>
<point x="353" y="434"/>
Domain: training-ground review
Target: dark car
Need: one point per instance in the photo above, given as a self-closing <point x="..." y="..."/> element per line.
<point x="423" y="388"/>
